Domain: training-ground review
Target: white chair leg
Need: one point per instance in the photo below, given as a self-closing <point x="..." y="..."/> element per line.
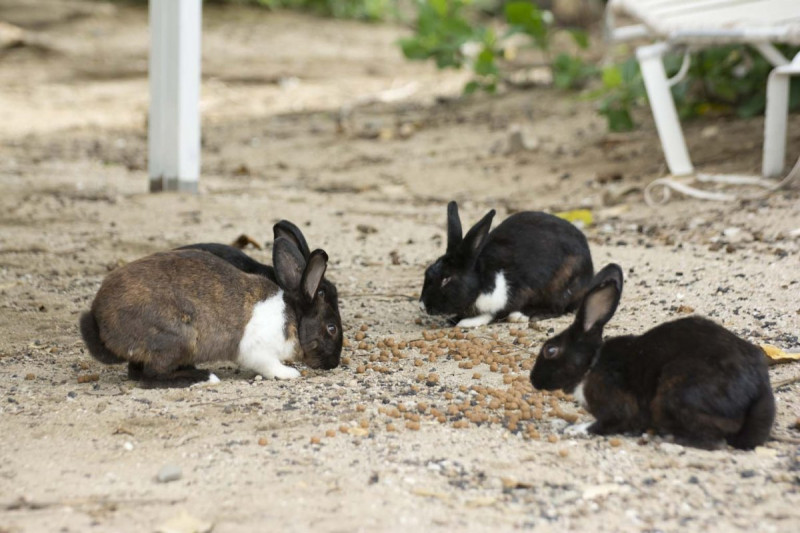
<point x="775" y="119"/>
<point x="663" y="108"/>
<point x="174" y="118"/>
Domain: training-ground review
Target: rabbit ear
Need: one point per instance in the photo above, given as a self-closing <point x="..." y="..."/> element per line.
<point x="476" y="236"/>
<point x="600" y="303"/>
<point x="313" y="273"/>
<point x="287" y="230"/>
<point x="289" y="264"/>
<point x="453" y="227"/>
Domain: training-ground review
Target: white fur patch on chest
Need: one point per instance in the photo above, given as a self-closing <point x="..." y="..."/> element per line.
<point x="579" y="395"/>
<point x="493" y="302"/>
<point x="264" y="341"/>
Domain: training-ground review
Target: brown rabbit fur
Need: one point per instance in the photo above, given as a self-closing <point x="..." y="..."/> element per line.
<point x="202" y="318"/>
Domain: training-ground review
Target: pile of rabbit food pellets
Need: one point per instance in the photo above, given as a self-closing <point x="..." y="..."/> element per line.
<point x="517" y="407"/>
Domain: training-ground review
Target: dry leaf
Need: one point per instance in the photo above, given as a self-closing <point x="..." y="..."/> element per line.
<point x="418" y="491"/>
<point x="777" y="356"/>
<point x="242" y="241"/>
<point x="582" y="216"/>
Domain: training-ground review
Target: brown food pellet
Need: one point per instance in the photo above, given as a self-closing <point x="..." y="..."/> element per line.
<point x="361" y="408"/>
<point x="417" y="362"/>
<point x="30" y="377"/>
<point x="364" y="423"/>
<point x="262" y="441"/>
<point x="315" y="440"/>
<point x="86" y="378"/>
<point x="614" y="441"/>
<point x="345" y="360"/>
<point x="412" y="425"/>
<point x="344" y="429"/>
<point x="390" y="427"/>
<point x="552" y="438"/>
<point x="361" y="369"/>
<point x="330" y="433"/>
<point x="563" y="453"/>
<point x="364" y="327"/>
<point x="476" y="375"/>
<point x="359" y="336"/>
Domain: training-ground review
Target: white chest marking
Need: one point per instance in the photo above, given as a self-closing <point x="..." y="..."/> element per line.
<point x="264" y="346"/>
<point x="493" y="302"/>
<point x="579" y="396"/>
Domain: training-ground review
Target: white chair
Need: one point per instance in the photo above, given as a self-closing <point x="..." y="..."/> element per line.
<point x="694" y="24"/>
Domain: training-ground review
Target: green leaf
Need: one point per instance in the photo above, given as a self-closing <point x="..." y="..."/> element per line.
<point x="619" y="120"/>
<point x="612" y="76"/>
<point x="580" y="37"/>
<point x="471" y="87"/>
<point x="439" y="6"/>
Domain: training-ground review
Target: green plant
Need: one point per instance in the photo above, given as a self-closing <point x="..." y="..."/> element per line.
<point x="572" y="72"/>
<point x="451" y="32"/>
<point x="723" y="80"/>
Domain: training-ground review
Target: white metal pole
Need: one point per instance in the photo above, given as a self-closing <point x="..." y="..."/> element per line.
<point x="174" y="118"/>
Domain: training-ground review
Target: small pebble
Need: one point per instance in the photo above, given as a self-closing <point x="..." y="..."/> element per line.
<point x="169" y="473"/>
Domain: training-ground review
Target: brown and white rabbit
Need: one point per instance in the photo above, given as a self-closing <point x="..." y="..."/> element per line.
<point x="691" y="377"/>
<point x="175" y="309"/>
<point x="531" y="263"/>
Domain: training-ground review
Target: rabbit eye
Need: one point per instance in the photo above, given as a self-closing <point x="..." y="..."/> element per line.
<point x="332" y="329"/>
<point x="550" y="352"/>
<point x="321" y="293"/>
<point x="446" y="280"/>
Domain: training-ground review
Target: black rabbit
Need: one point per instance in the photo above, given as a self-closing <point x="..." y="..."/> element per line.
<point x="531" y="263"/>
<point x="691" y="377"/>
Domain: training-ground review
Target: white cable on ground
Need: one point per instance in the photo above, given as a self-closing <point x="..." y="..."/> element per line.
<point x="659" y="191"/>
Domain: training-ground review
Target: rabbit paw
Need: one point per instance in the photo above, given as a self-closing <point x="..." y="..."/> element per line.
<point x="284" y="372"/>
<point x="475" y="321"/>
<point x="578" y="430"/>
<point x="516" y="316"/>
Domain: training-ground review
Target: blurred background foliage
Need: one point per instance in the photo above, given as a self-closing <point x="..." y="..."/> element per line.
<point x="490" y="38"/>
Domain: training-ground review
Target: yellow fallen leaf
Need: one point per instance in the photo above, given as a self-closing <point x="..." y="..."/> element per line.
<point x="582" y="216"/>
<point x="777" y="356"/>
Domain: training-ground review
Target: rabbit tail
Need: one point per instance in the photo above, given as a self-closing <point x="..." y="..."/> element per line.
<point x="757" y="422"/>
<point x="91" y="336"/>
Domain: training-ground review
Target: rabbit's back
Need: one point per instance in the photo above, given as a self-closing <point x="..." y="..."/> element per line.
<point x="543" y="254"/>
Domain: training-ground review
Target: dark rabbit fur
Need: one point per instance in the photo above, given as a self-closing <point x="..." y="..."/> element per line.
<point x="171" y="310"/>
<point x="531" y="263"/>
<point x="245" y="263"/>
<point x="691" y="377"/>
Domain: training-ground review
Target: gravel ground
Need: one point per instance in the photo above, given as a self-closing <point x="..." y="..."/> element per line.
<point x="422" y="425"/>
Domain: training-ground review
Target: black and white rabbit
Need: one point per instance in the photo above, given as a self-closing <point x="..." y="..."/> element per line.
<point x="691" y="377"/>
<point x="175" y="309"/>
<point x="531" y="263"/>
